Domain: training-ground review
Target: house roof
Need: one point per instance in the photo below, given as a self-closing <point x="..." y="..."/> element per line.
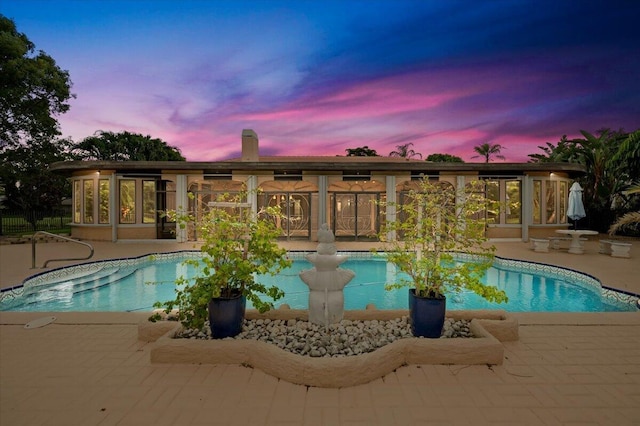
<point x="320" y="164"/>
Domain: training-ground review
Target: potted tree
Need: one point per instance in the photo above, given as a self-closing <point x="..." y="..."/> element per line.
<point x="434" y="223"/>
<point x="236" y="246"/>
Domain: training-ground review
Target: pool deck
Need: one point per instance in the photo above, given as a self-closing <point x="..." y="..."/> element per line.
<point x="90" y="369"/>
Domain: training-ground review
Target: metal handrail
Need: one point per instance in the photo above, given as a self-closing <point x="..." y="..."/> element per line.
<point x="33" y="249"/>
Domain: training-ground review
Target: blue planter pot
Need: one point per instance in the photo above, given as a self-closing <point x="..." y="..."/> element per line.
<point x="226" y="316"/>
<point x="427" y="315"/>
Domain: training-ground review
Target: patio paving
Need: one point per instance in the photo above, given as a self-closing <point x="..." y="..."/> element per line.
<point x="90" y="369"/>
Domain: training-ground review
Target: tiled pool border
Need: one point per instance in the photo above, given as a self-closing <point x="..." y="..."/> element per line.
<point x="575" y="277"/>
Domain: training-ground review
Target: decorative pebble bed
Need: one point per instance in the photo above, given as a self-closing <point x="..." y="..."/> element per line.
<point x="346" y="338"/>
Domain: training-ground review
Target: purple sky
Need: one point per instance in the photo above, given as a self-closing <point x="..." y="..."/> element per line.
<point x="317" y="77"/>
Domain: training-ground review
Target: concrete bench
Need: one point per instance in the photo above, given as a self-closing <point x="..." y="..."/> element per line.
<point x="615" y="248"/>
<point x="540" y="245"/>
<point x="555" y="242"/>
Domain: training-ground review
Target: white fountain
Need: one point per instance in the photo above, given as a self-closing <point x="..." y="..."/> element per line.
<point x="326" y="281"/>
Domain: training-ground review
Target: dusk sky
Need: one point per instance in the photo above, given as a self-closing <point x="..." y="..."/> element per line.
<point x="317" y="77"/>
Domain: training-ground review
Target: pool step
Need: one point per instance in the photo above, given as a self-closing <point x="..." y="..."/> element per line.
<point x="79" y="275"/>
<point x="70" y="288"/>
<point x="105" y="281"/>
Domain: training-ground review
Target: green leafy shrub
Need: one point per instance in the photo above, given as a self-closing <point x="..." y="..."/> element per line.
<point x="236" y="246"/>
<point x="433" y="223"/>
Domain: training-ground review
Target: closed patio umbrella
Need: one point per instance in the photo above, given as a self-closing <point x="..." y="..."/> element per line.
<point x="575" y="211"/>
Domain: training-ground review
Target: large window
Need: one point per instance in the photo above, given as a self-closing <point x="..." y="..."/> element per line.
<point x="409" y="194"/>
<point x="127" y="201"/>
<point x="103" y="201"/>
<point x="537" y="202"/>
<point x="91" y="199"/>
<point x="296" y="212"/>
<point x="550" y="197"/>
<point x="513" y="202"/>
<point x="493" y="194"/>
<point x="550" y="201"/>
<point x="136" y="200"/>
<point x="356" y="215"/>
<point x="564" y="199"/>
<point x="148" y="201"/>
<point x="88" y="201"/>
<point x="77" y="201"/>
<point x="506" y="196"/>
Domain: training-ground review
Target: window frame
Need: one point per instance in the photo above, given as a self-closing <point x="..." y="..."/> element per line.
<point x="88" y="201"/>
<point x="149" y="216"/>
<point x="121" y="207"/>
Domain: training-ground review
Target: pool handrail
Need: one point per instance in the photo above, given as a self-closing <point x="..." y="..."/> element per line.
<point x="62" y="237"/>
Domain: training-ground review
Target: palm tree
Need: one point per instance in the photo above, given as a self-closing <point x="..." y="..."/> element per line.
<point x="631" y="219"/>
<point x="404" y="151"/>
<point x="487" y="150"/>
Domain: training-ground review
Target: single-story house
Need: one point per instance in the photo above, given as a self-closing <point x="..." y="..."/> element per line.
<point x="124" y="200"/>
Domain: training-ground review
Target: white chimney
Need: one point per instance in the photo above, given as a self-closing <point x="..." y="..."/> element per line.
<point x="249" y="145"/>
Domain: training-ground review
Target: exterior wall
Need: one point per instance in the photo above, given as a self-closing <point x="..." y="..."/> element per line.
<point x="321" y="186"/>
<point x="141" y="232"/>
<point x="504" y="232"/>
<point x="92" y="233"/>
<point x="547" y="231"/>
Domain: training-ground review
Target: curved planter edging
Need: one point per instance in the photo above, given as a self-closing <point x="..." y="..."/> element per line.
<point x="485" y="348"/>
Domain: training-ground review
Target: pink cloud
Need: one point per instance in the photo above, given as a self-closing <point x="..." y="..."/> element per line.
<point x="438" y="110"/>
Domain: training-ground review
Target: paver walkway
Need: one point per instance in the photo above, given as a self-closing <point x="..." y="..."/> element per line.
<point x="90" y="369"/>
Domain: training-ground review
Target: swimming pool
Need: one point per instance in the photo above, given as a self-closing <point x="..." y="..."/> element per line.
<point x="123" y="285"/>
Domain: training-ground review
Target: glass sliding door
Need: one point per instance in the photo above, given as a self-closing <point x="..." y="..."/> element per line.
<point x="165" y="200"/>
<point x="355" y="215"/>
<point x="296" y="212"/>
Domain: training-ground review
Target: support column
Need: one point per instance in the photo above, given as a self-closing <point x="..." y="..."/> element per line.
<point x="113" y="207"/>
<point x="252" y="197"/>
<point x="460" y="187"/>
<point x="391" y="208"/>
<point x="322" y="200"/>
<point x="460" y="197"/>
<point x="182" y="203"/>
<point x="527" y="207"/>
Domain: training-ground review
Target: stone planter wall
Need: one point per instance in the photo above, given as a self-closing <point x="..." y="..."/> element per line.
<point x="489" y="327"/>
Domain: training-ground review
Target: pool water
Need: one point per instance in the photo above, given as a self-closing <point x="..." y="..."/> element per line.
<point x="136" y="285"/>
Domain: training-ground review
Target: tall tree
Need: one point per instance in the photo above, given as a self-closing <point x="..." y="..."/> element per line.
<point x="444" y="158"/>
<point x="29" y="186"/>
<point x="33" y="92"/>
<point x="488" y="151"/>
<point x="612" y="162"/>
<point x="125" y="146"/>
<point x="33" y="89"/>
<point x="363" y="151"/>
<point x="405" y="151"/>
<point x="564" y="150"/>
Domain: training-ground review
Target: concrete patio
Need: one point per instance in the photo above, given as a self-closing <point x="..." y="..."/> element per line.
<point x="90" y="368"/>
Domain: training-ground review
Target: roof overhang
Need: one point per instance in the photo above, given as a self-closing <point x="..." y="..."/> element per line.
<point x="69" y="167"/>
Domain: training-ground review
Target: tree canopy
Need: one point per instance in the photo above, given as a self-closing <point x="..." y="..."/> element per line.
<point x="29" y="185"/>
<point x="33" y="89"/>
<point x="612" y="161"/>
<point x="444" y="158"/>
<point x="363" y="151"/>
<point x="125" y="146"/>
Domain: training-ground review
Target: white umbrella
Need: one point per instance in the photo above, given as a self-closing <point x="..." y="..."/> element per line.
<point x="575" y="211"/>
